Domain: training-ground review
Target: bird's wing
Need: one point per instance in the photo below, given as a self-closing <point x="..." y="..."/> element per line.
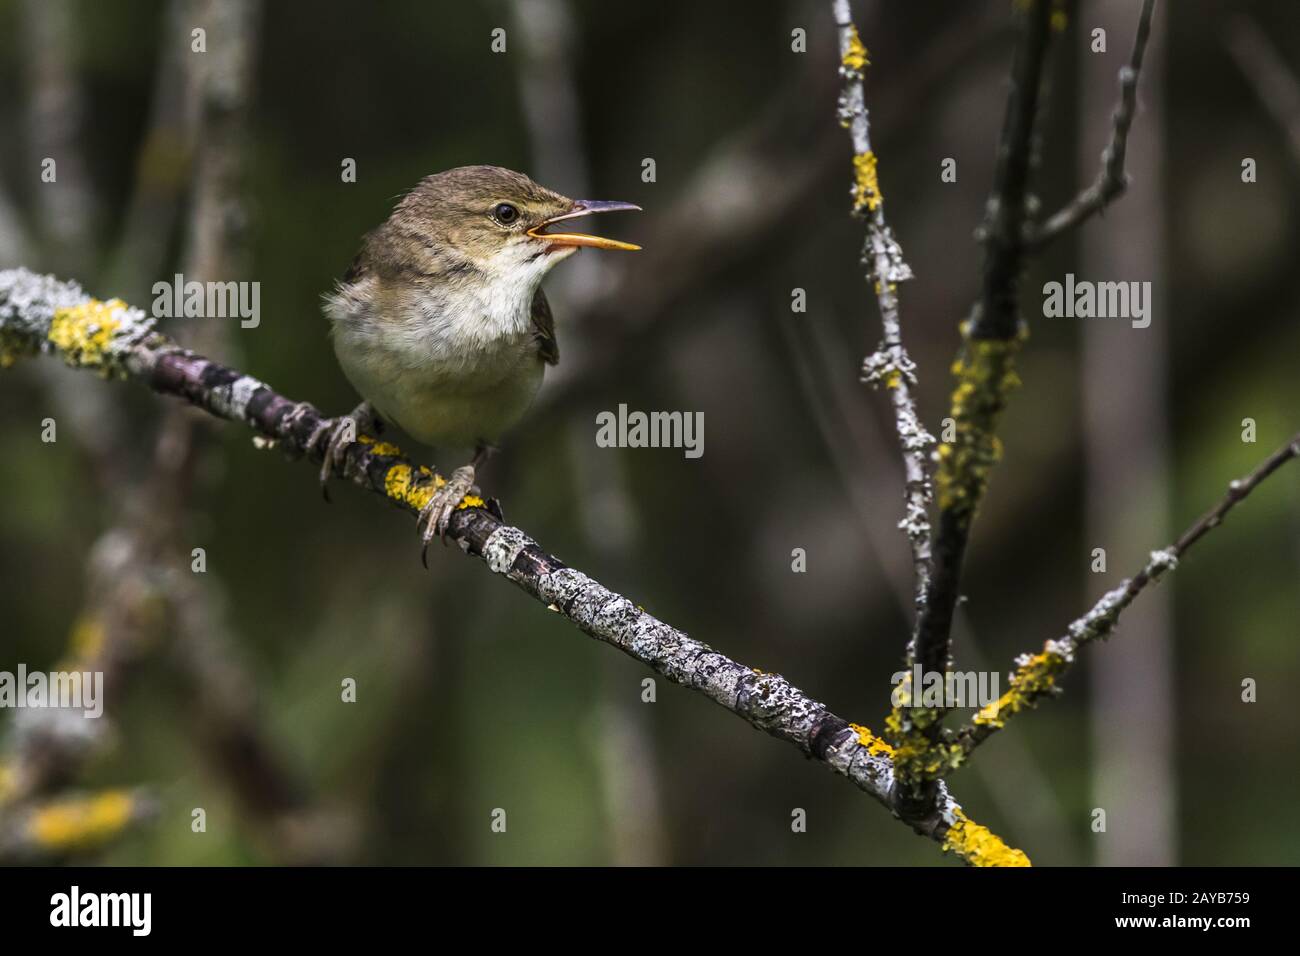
<point x="544" y="329"/>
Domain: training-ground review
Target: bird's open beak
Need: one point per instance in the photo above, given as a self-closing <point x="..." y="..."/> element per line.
<point x="585" y="207"/>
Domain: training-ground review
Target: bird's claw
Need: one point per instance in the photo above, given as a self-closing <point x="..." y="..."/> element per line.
<point x="338" y="434"/>
<point x="435" y="516"/>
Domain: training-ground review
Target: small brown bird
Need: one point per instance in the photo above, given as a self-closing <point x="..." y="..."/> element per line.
<point x="440" y="322"/>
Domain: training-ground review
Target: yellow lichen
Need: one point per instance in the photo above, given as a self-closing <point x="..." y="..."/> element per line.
<point x="919" y="755"/>
<point x="82" y="821"/>
<point x="378" y="447"/>
<point x="85" y="642"/>
<point x="918" y="759"/>
<point x="83" y="333"/>
<point x="985" y="374"/>
<point x="875" y="746"/>
<point x="1032" y="679"/>
<point x="87" y="638"/>
<point x="866" y="185"/>
<point x="979" y="846"/>
<point x="856" y="57"/>
<point x="400" y="487"/>
<point x="415" y="490"/>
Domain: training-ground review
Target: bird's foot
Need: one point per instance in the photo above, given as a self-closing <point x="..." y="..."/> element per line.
<point x="436" y="514"/>
<point x="338" y="434"/>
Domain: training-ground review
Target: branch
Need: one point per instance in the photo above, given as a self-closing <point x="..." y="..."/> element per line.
<point x="1111" y="180"/>
<point x="47" y="748"/>
<point x="985" y="376"/>
<point x="1038" y="675"/>
<point x="985" y="370"/>
<point x="42" y="314"/>
<point x="890" y="365"/>
<point x="997" y="313"/>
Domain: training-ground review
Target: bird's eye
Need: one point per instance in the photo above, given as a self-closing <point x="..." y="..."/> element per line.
<point x="505" y="213"/>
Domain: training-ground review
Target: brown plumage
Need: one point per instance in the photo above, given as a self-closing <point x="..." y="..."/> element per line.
<point x="440" y="322"/>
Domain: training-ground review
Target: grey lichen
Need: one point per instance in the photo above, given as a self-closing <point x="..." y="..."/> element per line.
<point x="41" y="313"/>
<point x="503" y="547"/>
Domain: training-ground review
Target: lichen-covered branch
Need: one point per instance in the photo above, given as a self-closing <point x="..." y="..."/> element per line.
<point x="985" y="369"/>
<point x="889" y="366"/>
<point x="73" y="823"/>
<point x="1038" y="675"/>
<point x="1111" y="180"/>
<point x="985" y="376"/>
<point x="46" y="748"/>
<point x="43" y="314"/>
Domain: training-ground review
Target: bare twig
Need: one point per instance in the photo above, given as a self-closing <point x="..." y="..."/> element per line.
<point x="1111" y="180"/>
<point x="890" y="365"/>
<point x="1125" y="435"/>
<point x="41" y="314"/>
<point x="996" y="315"/>
<point x="1039" y="674"/>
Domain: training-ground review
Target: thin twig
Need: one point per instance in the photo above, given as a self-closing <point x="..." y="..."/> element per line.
<point x="1039" y="675"/>
<point x="1111" y="180"/>
<point x="997" y="314"/>
<point x="890" y="365"/>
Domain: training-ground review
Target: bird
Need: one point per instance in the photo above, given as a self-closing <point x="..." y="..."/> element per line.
<point x="440" y="323"/>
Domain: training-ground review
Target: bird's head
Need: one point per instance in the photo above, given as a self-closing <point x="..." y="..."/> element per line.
<point x="499" y="220"/>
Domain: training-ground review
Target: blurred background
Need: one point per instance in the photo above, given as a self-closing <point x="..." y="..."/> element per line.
<point x="224" y="687"/>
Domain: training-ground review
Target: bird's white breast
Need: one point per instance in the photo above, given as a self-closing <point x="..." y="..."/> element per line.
<point x="454" y="366"/>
